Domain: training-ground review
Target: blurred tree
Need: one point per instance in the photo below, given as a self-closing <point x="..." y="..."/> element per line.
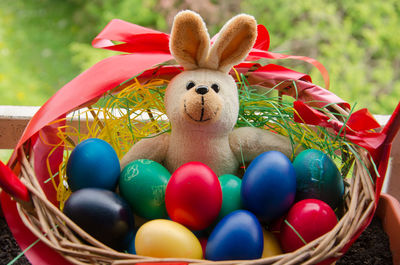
<point x="34" y="39"/>
<point x="357" y="41"/>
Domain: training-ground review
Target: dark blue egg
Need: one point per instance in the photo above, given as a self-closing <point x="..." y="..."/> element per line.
<point x="131" y="247"/>
<point x="238" y="236"/>
<point x="93" y="164"/>
<point x="269" y="185"/>
<point x="102" y="214"/>
<point x="318" y="178"/>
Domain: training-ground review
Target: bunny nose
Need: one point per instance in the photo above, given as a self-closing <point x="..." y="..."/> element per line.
<point x="201" y="90"/>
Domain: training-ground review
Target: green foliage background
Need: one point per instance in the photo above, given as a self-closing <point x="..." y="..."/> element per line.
<point x="46" y="43"/>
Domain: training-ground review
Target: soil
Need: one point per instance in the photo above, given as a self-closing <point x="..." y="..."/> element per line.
<point x="8" y="247"/>
<point x="371" y="248"/>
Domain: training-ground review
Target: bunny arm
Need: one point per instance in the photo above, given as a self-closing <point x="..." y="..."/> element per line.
<point x="248" y="142"/>
<point x="154" y="148"/>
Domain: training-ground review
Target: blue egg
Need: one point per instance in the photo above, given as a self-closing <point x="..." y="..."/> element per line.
<point x="93" y="164"/>
<point x="269" y="185"/>
<point x="103" y="214"/>
<point x="318" y="178"/>
<point x="131" y="247"/>
<point x="238" y="236"/>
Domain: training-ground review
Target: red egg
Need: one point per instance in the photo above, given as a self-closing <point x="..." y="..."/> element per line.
<point x="203" y="243"/>
<point x="306" y="220"/>
<point x="193" y="196"/>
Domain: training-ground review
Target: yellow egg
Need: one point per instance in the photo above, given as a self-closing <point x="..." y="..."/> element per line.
<point x="271" y="245"/>
<point x="167" y="239"/>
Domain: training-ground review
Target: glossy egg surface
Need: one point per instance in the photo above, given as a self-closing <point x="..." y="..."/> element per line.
<point x="167" y="239"/>
<point x="306" y="220"/>
<point x="142" y="183"/>
<point x="102" y="214"/>
<point x="318" y="177"/>
<point x="93" y="163"/>
<point x="269" y="185"/>
<point x="231" y="198"/>
<point x="193" y="196"/>
<point x="238" y="236"/>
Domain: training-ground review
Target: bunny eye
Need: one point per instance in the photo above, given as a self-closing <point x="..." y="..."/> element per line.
<point x="190" y="85"/>
<point x="215" y="87"/>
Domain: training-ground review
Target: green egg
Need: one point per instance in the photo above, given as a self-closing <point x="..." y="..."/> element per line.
<point x="142" y="184"/>
<point x="318" y="177"/>
<point x="231" y="199"/>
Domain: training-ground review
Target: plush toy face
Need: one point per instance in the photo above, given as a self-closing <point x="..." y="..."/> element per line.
<point x="202" y="97"/>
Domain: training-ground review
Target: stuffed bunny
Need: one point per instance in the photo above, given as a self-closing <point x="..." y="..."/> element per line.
<point x="202" y="102"/>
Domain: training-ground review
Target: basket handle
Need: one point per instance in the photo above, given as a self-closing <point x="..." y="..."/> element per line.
<point x="11" y="184"/>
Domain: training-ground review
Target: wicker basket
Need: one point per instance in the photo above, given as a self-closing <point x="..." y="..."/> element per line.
<point x="57" y="231"/>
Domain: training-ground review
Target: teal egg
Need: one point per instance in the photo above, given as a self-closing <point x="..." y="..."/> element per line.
<point x="231" y="198"/>
<point x="142" y="184"/>
<point x="318" y="177"/>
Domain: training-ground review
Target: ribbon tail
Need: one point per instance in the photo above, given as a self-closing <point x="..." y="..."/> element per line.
<point x="382" y="154"/>
<point x="256" y="54"/>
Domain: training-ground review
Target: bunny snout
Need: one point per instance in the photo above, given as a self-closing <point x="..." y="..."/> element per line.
<point x="202" y="104"/>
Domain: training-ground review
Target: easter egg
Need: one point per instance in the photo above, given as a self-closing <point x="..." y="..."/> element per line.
<point x="142" y="184"/>
<point x="231" y="198"/>
<point x="238" y="236"/>
<point x="203" y="243"/>
<point x="269" y="185"/>
<point x="193" y="196"/>
<point x="271" y="245"/>
<point x="131" y="247"/>
<point x="318" y="178"/>
<point x="306" y="220"/>
<point x="167" y="239"/>
<point x="102" y="214"/>
<point x="93" y="164"/>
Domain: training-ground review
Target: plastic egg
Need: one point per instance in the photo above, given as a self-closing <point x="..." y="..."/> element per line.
<point x="193" y="196"/>
<point x="237" y="236"/>
<point x="102" y="214"/>
<point x="269" y="185"/>
<point x="167" y="239"/>
<point x="308" y="219"/>
<point x="93" y="164"/>
<point x="231" y="198"/>
<point x="142" y="183"/>
<point x="318" y="178"/>
<point x="271" y="245"/>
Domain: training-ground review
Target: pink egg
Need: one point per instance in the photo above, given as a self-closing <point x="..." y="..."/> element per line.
<point x="193" y="196"/>
<point x="306" y="220"/>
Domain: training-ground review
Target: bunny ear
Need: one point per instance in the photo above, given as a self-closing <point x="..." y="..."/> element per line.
<point x="233" y="44"/>
<point x="189" y="42"/>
